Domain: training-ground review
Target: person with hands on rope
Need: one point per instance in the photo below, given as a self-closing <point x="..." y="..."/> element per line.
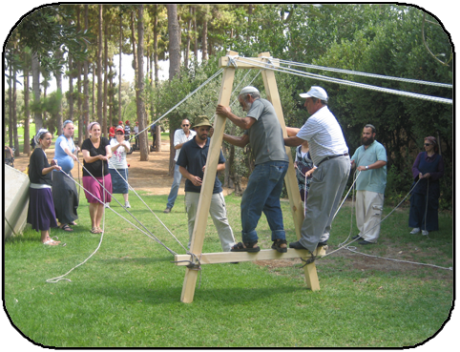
<point x="424" y="201"/>
<point x="263" y="131"/>
<point x="65" y="194"/>
<point x="118" y="167"/>
<point x="96" y="153"/>
<point x="41" y="212"/>
<point x="370" y="159"/>
<point x="192" y="164"/>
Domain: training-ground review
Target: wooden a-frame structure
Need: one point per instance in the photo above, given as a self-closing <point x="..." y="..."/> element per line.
<point x="296" y="205"/>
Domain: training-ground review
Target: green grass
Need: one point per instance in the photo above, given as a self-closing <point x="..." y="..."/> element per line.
<point x="128" y="293"/>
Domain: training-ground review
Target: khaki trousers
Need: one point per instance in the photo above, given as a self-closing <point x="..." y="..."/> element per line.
<point x="369" y="207"/>
<point x="218" y="214"/>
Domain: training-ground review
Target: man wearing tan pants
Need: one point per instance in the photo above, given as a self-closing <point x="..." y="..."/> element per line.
<point x="371" y="160"/>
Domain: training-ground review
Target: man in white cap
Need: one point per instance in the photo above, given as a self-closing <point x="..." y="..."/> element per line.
<point x="329" y="153"/>
<point x="263" y="132"/>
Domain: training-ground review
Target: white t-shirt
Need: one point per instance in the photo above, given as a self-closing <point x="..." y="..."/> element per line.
<point x="324" y="135"/>
<point x="180" y="137"/>
<point x="118" y="159"/>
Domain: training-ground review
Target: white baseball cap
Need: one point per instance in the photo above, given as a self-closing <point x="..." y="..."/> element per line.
<point x="315" y="92"/>
<point x="249" y="89"/>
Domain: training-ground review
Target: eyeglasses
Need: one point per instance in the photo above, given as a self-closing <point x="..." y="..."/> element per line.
<point x="185" y="125"/>
<point x="427" y="144"/>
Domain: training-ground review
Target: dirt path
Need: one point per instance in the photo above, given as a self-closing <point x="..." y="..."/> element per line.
<point x="151" y="176"/>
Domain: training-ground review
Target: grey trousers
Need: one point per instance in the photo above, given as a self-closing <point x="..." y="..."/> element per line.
<point x="218" y="213"/>
<point x="326" y="190"/>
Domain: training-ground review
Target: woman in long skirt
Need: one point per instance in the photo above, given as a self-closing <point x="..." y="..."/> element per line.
<point x="41" y="207"/>
<point x="96" y="152"/>
<point x="118" y="165"/>
<point x="65" y="195"/>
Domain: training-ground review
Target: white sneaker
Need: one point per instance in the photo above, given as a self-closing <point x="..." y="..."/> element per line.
<point x="425" y="232"/>
<point x="415" y="230"/>
<point x="127" y="205"/>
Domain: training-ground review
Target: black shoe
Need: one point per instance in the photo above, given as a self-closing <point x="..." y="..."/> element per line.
<point x="364" y="242"/>
<point x="322" y="244"/>
<point x="357" y="237"/>
<point x="234" y="262"/>
<point x="277" y="245"/>
<point x="296" y="245"/>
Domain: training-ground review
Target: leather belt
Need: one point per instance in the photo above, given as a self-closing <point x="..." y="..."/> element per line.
<point x="331" y="157"/>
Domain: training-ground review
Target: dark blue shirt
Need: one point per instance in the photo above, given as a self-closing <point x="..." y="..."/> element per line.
<point x="193" y="158"/>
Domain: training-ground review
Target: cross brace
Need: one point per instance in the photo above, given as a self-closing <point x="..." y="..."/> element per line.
<point x="296" y="205"/>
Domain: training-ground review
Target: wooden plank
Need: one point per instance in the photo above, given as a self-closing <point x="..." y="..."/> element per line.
<point x="264" y="254"/>
<point x="188" y="289"/>
<point x="246" y="63"/>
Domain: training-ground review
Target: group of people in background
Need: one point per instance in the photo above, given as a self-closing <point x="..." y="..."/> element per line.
<point x="322" y="166"/>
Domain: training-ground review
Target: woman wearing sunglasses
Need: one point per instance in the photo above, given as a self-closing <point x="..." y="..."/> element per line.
<point x="424" y="202"/>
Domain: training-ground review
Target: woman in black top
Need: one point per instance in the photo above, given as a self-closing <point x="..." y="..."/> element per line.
<point x="41" y="207"/>
<point x="96" y="152"/>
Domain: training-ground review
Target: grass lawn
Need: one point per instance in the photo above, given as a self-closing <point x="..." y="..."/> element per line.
<point x="128" y="293"/>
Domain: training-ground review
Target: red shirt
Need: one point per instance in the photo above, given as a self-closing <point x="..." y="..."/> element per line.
<point x="112" y="131"/>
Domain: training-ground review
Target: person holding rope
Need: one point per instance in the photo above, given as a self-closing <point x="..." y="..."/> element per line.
<point x="424" y="201"/>
<point x="263" y="131"/>
<point x="329" y="153"/>
<point x="96" y="152"/>
<point x="65" y="195"/>
<point x="192" y="164"/>
<point x="181" y="136"/>
<point x="118" y="167"/>
<point x="41" y="212"/>
<point x="371" y="160"/>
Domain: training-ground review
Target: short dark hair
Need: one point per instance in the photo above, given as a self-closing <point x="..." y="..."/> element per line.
<point x="371" y="127"/>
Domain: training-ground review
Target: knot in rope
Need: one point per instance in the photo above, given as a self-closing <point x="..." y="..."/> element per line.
<point x="232" y="61"/>
<point x="193" y="264"/>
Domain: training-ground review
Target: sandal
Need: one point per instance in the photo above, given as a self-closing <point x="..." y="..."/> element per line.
<point x="73" y="223"/>
<point x="277" y="245"/>
<point x="245" y="247"/>
<point x="51" y="242"/>
<point x="66" y="228"/>
<point x="95" y="230"/>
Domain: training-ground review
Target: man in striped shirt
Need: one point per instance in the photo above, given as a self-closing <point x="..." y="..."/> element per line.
<point x="329" y="153"/>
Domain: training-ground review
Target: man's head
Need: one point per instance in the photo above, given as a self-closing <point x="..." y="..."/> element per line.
<point x="202" y="127"/>
<point x="368" y="136"/>
<point x="185" y="125"/>
<point x="247" y="96"/>
<point x="315" y="99"/>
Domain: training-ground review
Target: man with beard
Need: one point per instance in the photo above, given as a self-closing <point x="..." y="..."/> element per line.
<point x="371" y="160"/>
<point x="192" y="164"/>
<point x="263" y="131"/>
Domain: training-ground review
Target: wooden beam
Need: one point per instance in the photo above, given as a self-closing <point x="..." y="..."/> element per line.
<point x="264" y="254"/>
<point x="188" y="289"/>
<point x="246" y="63"/>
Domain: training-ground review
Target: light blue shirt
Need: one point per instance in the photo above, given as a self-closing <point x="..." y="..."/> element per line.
<point x="374" y="180"/>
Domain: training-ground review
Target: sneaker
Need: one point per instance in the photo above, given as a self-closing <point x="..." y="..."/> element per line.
<point x="106" y="205"/>
<point x="167" y="210"/>
<point x="415" y="230"/>
<point x="357" y="237"/>
<point x="425" y="232"/>
<point x="127" y="205"/>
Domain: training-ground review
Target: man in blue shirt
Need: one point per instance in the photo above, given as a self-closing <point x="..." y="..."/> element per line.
<point x="371" y="160"/>
<point x="192" y="164"/>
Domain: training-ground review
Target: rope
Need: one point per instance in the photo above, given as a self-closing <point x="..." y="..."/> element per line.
<point x="347" y="83"/>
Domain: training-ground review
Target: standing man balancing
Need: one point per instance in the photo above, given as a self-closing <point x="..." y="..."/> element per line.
<point x="371" y="160"/>
<point x="192" y="164"/>
<point x="181" y="136"/>
<point x="264" y="133"/>
<point x="329" y="153"/>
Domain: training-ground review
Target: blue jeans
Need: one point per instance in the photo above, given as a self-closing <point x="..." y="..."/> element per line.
<point x="263" y="194"/>
<point x="174" y="188"/>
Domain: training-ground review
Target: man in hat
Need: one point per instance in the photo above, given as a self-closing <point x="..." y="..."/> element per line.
<point x="192" y="164"/>
<point x="127" y="130"/>
<point x="329" y="153"/>
<point x="263" y="131"/>
<point x="181" y="136"/>
<point x="371" y="160"/>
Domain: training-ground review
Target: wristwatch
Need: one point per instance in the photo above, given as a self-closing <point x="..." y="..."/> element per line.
<point x="367" y="167"/>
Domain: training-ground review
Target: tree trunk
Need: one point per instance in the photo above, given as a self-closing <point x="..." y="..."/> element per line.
<point x="135" y="56"/>
<point x="195" y="39"/>
<point x="15" y="117"/>
<point x="204" y="37"/>
<point x="104" y="111"/>
<point x="155" y="44"/>
<point x="70" y="95"/>
<point x="81" y="123"/>
<point x="187" y="45"/>
<point x="93" y="102"/>
<point x="58" y="76"/>
<point x="38" y="119"/>
<point x="26" y="107"/>
<point x="119" y="67"/>
<point x="174" y="43"/>
<point x="143" y="137"/>
<point x="10" y="105"/>
<point x="99" y="69"/>
<point x="85" y="80"/>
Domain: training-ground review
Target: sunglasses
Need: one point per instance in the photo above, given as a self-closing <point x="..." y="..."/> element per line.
<point x="427" y="144"/>
<point x="185" y="125"/>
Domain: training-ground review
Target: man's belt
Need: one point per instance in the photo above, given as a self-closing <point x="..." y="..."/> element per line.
<point x="331" y="157"/>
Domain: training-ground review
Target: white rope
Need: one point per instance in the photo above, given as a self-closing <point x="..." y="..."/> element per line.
<point x="364" y="74"/>
<point x="347" y="83"/>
